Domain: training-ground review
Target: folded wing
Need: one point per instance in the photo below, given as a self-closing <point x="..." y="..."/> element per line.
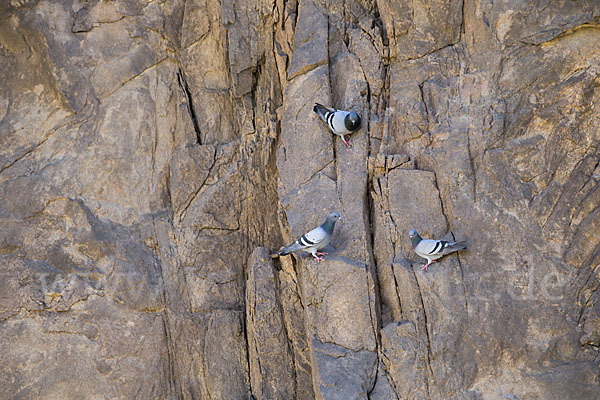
<point x="432" y="248"/>
<point x="308" y="240"/>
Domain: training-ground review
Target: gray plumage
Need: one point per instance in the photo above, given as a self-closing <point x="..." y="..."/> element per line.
<point x="432" y="249"/>
<point x="339" y="121"/>
<point x="314" y="240"/>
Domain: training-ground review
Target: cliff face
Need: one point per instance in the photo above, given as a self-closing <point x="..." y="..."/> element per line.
<point x="151" y="152"/>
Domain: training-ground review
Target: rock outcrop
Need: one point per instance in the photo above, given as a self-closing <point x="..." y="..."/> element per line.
<point x="152" y="153"/>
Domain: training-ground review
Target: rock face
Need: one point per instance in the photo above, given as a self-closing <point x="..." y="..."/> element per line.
<point x="153" y="152"/>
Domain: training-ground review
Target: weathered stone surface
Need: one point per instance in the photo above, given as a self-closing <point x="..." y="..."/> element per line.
<point x="382" y="390"/>
<point x="340" y="316"/>
<point x="402" y="352"/>
<point x="294" y="319"/>
<point x="152" y="151"/>
<point x="100" y="341"/>
<point x="271" y="369"/>
<point x="417" y="28"/>
<point x="310" y="40"/>
<point x="495" y="143"/>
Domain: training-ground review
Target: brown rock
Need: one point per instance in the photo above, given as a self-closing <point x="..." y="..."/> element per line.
<point x="340" y="316"/>
<point x="402" y="353"/>
<point x="151" y="152"/>
<point x="271" y="369"/>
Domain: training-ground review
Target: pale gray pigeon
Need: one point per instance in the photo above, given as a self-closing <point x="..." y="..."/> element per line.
<point x="341" y="122"/>
<point x="432" y="249"/>
<point x="314" y="240"/>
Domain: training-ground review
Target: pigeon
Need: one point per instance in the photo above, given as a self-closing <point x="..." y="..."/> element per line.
<point x="313" y="240"/>
<point x="433" y="249"/>
<point x="341" y="122"/>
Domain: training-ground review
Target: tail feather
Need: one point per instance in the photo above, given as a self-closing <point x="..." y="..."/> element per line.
<point x="452" y="247"/>
<point x="321" y="111"/>
<point x="290" y="249"/>
<point x="460" y="245"/>
<point x="279" y="253"/>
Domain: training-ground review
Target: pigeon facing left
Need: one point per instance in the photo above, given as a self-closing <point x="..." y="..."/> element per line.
<point x="314" y="240"/>
<point x="432" y="249"/>
<point x="341" y="122"/>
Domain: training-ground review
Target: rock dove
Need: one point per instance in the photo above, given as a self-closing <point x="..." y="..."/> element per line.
<point x="313" y="240"/>
<point x="433" y="249"/>
<point x="341" y="122"/>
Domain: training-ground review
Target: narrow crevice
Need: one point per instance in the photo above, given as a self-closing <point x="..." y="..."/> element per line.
<point x="256" y="74"/>
<point x="369" y="202"/>
<point x="168" y="191"/>
<point x="397" y="290"/>
<point x="374" y="380"/>
<point x="395" y="385"/>
<point x="283" y="324"/>
<point x="426" y="332"/>
<point x="472" y="168"/>
<point x="462" y="278"/>
<point x="393" y="225"/>
<point x="423" y="100"/>
<point x="372" y="270"/>
<point x="245" y="329"/>
<point x="174" y="382"/>
<point x="172" y="375"/>
<point x="333" y="141"/>
<point x="296" y="267"/>
<point x="190" y="104"/>
<point x="461" y="31"/>
<point x="437" y="186"/>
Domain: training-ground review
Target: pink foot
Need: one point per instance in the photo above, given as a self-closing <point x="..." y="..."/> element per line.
<point x="427" y="265"/>
<point x="346" y="143"/>
<point x="318" y="258"/>
<point x="320" y="253"/>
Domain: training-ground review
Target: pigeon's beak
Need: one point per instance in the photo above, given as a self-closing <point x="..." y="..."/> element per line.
<point x="341" y="219"/>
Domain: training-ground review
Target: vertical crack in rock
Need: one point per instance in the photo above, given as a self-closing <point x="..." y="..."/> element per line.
<point x="367" y="203"/>
<point x="397" y="290"/>
<point x="472" y="163"/>
<point x="437" y="186"/>
<point x="284" y="327"/>
<point x="426" y="332"/>
<point x="423" y="100"/>
<point x="245" y="330"/>
<point x="462" y="278"/>
<point x="174" y="383"/>
<point x="173" y="377"/>
<point x="461" y="31"/>
<point x="190" y="103"/>
<point x="168" y="193"/>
